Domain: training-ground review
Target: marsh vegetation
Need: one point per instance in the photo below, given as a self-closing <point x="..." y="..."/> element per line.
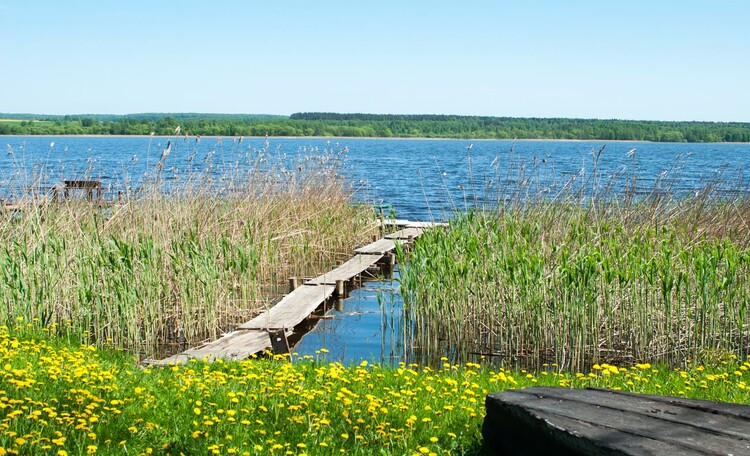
<point x="584" y="274"/>
<point x="177" y="260"/>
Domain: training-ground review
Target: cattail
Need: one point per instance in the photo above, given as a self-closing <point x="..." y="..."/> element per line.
<point x="166" y="152"/>
<point x="177" y="130"/>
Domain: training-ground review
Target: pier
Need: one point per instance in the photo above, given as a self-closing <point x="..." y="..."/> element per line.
<point x="270" y="330"/>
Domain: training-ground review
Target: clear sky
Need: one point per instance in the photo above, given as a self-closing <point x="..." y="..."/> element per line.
<point x="657" y="59"/>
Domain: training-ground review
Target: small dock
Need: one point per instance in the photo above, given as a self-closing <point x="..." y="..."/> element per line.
<point x="271" y="329"/>
<point x="563" y="421"/>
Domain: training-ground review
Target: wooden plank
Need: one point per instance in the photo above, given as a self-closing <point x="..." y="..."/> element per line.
<point x="405" y="233"/>
<point x="594" y="421"/>
<point x="424" y="224"/>
<point x="394" y="222"/>
<point x="291" y="310"/>
<point x="380" y="246"/>
<point x="233" y="346"/>
<point x="348" y="270"/>
<point x="717" y="419"/>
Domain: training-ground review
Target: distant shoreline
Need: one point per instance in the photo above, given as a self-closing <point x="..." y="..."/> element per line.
<point x="392" y="138"/>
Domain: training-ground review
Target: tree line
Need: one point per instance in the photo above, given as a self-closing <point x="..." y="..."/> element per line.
<point x="375" y="125"/>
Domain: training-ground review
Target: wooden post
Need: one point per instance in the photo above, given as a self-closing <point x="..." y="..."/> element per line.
<point x="279" y="343"/>
<point x="119" y="195"/>
<point x="340" y="288"/>
<point x="293" y="284"/>
<point x="338" y="304"/>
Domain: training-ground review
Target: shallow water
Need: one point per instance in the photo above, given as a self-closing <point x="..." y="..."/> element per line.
<point x="366" y="326"/>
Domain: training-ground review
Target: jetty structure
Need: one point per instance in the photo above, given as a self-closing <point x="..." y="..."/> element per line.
<point x="270" y="330"/>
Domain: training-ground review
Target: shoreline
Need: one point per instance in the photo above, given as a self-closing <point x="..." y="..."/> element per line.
<point x="400" y="138"/>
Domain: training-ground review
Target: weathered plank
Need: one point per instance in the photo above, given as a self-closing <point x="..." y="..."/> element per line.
<point x="405" y="233"/>
<point x="380" y="246"/>
<point x="236" y="345"/>
<point x="424" y="224"/>
<point x="348" y="270"/>
<point x="291" y="310"/>
<point x="393" y="222"/>
<point x="605" y="422"/>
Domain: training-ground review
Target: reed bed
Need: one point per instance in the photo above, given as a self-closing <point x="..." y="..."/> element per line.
<point x="576" y="280"/>
<point x="177" y="260"/>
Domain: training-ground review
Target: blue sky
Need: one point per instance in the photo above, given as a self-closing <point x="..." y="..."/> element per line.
<point x="663" y="60"/>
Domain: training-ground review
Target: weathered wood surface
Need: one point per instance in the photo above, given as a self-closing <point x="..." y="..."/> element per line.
<point x="348" y="270"/>
<point x="405" y="233"/>
<point x="424" y="224"/>
<point x="565" y="421"/>
<point x="236" y="345"/>
<point x="292" y="309"/>
<point x="394" y="222"/>
<point x="381" y="246"/>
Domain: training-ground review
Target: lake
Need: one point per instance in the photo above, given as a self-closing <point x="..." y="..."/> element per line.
<point x="419" y="179"/>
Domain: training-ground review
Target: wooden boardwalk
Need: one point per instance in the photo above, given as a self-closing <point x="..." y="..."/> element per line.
<point x="542" y="420"/>
<point x="256" y="335"/>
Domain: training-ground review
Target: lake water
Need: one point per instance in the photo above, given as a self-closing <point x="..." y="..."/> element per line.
<point x="420" y="179"/>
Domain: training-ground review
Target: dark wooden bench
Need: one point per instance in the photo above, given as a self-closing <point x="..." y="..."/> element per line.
<point x="87" y="185"/>
<point x="592" y="421"/>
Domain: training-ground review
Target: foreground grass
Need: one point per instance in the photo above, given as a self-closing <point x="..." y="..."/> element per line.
<point x="58" y="398"/>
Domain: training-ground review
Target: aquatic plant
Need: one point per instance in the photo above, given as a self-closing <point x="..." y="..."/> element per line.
<point x="578" y="273"/>
<point x="178" y="258"/>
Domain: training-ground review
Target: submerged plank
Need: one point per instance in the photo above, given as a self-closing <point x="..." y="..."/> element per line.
<point x="291" y="310"/>
<point x="595" y="421"/>
<point x="348" y="270"/>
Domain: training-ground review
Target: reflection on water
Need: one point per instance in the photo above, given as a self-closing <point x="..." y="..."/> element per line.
<point x="364" y="326"/>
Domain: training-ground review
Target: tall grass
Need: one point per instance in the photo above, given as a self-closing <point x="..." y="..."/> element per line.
<point x="581" y="277"/>
<point x="177" y="260"/>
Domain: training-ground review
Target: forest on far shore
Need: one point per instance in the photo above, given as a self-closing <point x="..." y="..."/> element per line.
<point x="374" y="125"/>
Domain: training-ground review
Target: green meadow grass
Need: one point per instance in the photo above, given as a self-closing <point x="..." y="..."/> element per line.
<point x="59" y="397"/>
